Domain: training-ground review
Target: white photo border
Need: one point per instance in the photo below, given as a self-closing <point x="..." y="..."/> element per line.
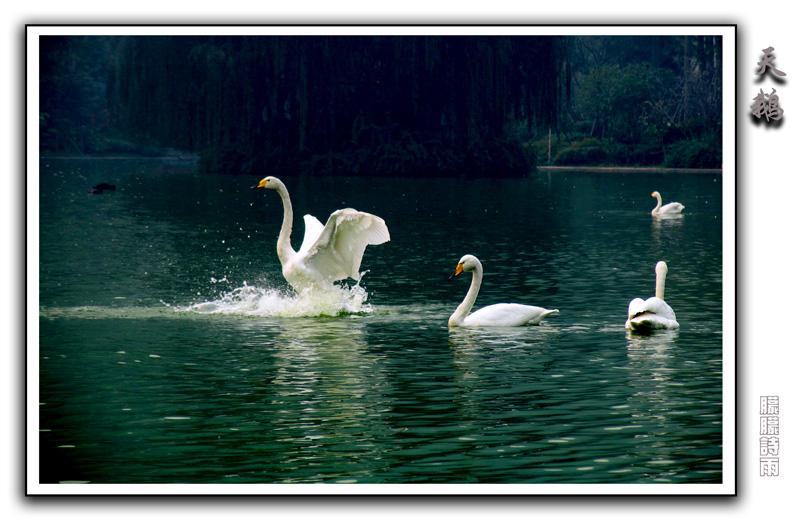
<point x="729" y="340"/>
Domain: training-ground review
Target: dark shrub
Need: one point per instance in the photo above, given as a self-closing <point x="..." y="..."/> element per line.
<point x="701" y="154"/>
<point x="581" y="156"/>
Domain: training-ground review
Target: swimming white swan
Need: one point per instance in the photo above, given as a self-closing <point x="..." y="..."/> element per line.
<point x="654" y="313"/>
<point x="672" y="208"/>
<point x="502" y="314"/>
<point x="329" y="253"/>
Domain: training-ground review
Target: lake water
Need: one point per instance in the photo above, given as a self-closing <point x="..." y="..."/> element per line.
<point x="171" y="350"/>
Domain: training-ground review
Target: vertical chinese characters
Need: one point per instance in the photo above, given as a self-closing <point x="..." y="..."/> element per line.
<point x="767" y="104"/>
<point x="769" y="442"/>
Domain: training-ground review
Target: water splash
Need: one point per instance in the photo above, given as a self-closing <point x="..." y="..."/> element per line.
<point x="270" y="302"/>
<point x="244" y="301"/>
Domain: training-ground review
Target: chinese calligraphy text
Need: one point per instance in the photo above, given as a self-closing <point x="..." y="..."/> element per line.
<point x="766" y="105"/>
<point x="766" y="62"/>
<point x="769" y="442"/>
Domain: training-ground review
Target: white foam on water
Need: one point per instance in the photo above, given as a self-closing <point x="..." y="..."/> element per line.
<point x="246" y="300"/>
<point x="269" y="302"/>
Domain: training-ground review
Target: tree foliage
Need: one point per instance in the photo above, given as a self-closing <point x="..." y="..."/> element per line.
<point x="648" y="93"/>
<point x="73" y="110"/>
<point x="390" y="105"/>
<point x="370" y="104"/>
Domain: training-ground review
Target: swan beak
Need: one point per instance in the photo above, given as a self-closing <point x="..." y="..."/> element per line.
<point x="261" y="184"/>
<point x="459" y="269"/>
<point x="653" y="194"/>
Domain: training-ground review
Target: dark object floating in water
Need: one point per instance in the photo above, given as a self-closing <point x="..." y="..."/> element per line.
<point x="102" y="186"/>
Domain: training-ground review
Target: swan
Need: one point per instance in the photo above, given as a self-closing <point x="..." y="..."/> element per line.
<point x="502" y="314"/>
<point x="328" y="253"/>
<point x="654" y="313"/>
<point x="672" y="208"/>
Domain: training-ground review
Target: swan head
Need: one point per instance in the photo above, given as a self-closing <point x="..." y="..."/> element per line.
<point x="661" y="268"/>
<point x="272" y="183"/>
<point x="467" y="263"/>
<point x="656" y="195"/>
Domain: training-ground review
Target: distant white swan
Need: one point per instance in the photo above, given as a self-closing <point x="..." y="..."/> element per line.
<point x="654" y="313"/>
<point x="673" y="208"/>
<point x="502" y="314"/>
<point x="329" y="253"/>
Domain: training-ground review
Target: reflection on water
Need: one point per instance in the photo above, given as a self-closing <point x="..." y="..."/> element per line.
<point x="325" y="400"/>
<point x="171" y="350"/>
<point x="472" y="340"/>
<point x="652" y="345"/>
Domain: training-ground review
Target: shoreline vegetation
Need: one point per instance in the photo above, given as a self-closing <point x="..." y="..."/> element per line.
<point x="192" y="159"/>
<point x="623" y="169"/>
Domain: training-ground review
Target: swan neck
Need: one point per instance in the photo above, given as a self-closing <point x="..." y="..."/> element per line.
<point x="661" y="281"/>
<point x="469" y="301"/>
<point x="284" y="245"/>
<point x="658" y="203"/>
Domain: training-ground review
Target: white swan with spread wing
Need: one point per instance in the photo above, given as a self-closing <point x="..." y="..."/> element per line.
<point x="328" y="253"/>
<point x="654" y="313"/>
<point x="671" y="209"/>
<point x="502" y="314"/>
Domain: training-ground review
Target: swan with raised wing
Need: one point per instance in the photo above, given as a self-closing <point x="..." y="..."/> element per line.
<point x="330" y="252"/>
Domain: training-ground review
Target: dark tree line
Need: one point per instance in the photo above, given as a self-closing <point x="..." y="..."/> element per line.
<point x="368" y="104"/>
<point x="411" y="105"/>
<point x="73" y="110"/>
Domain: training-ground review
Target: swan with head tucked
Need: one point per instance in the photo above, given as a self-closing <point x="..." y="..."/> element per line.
<point x="502" y="314"/>
<point x="328" y="253"/>
<point x="654" y="313"/>
<point x="673" y="208"/>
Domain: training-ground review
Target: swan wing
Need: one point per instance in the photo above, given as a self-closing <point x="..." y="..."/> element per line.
<point x="672" y="207"/>
<point x="653" y="305"/>
<point x="507" y="314"/>
<point x="313" y="230"/>
<point x="651" y="314"/>
<point x="337" y="251"/>
<point x="649" y="322"/>
<point x="635" y="307"/>
<point x="659" y="307"/>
